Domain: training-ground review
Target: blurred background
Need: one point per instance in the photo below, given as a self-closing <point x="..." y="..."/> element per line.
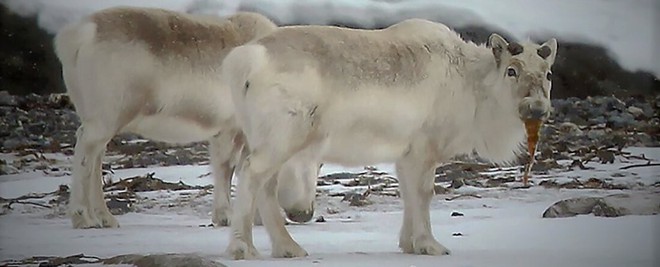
<point x="605" y="47"/>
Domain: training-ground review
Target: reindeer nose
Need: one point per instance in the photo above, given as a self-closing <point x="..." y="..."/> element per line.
<point x="300" y="216"/>
<point x="534" y="110"/>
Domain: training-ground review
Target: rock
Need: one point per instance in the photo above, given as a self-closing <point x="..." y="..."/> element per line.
<point x="7" y="169"/>
<point x="583" y="70"/>
<point x="457" y="174"/>
<point x="12" y="144"/>
<point x="543" y="166"/>
<point x="29" y="63"/>
<point x="614" y="103"/>
<point x="620" y="119"/>
<point x="602" y="209"/>
<point x="456" y="214"/>
<point x="164" y="260"/>
<point x="595" y="134"/>
<point x="548" y="131"/>
<point x="59" y="100"/>
<point x="440" y="190"/>
<point x="635" y="111"/>
<point x="356" y="199"/>
<point x="606" y="156"/>
<point x="457" y="183"/>
<point x="498" y="181"/>
<point x="7" y="100"/>
<point x="118" y="206"/>
<point x="570" y="128"/>
<point x="610" y="206"/>
<point x="597" y="120"/>
<point x="571" y="207"/>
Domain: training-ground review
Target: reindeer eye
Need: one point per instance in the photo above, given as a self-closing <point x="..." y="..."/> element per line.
<point x="549" y="76"/>
<point x="511" y="72"/>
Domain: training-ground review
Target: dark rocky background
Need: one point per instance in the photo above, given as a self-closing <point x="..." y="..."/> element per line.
<point x="27" y="60"/>
<point x="29" y="65"/>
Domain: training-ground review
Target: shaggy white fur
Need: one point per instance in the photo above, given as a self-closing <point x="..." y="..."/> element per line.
<point x="415" y="94"/>
<point x="156" y="73"/>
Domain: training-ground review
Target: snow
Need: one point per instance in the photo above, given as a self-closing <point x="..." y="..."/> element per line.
<point x="16" y="185"/>
<point x="511" y="235"/>
<point x="332" y="168"/>
<point x="628" y="28"/>
<point x="501" y="228"/>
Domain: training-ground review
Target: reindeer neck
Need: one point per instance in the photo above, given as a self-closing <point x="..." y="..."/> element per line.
<point x="497" y="127"/>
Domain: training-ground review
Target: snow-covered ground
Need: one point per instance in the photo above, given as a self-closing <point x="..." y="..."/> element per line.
<point x="629" y="28"/>
<point x="503" y="227"/>
<point x="505" y="233"/>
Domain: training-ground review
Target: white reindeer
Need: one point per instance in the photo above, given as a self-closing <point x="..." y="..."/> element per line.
<point x="415" y="94"/>
<point x="156" y="73"/>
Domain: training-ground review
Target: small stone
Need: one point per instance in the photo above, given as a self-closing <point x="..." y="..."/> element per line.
<point x="457" y="234"/>
<point x="620" y="120"/>
<point x="597" y="120"/>
<point x="440" y="190"/>
<point x="595" y="134"/>
<point x="570" y="128"/>
<point x="331" y="210"/>
<point x="456" y="214"/>
<point x="118" y="206"/>
<point x="635" y="111"/>
<point x="356" y="199"/>
<point x="7" y="100"/>
<point x="605" y="156"/>
<point x="498" y="181"/>
<point x="320" y="219"/>
<point x="457" y="183"/>
<point x="11" y="144"/>
<point x="8" y="169"/>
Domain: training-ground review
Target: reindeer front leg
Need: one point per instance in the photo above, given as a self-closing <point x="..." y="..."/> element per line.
<point x="225" y="149"/>
<point x="283" y="244"/>
<point x="87" y="206"/>
<point x="255" y="171"/>
<point x="416" y="175"/>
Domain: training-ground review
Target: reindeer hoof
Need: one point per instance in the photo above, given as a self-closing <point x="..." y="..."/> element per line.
<point x="429" y="246"/>
<point x="291" y="250"/>
<point x="240" y="250"/>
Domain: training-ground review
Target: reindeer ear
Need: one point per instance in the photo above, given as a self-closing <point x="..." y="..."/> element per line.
<point x="548" y="50"/>
<point x="497" y="44"/>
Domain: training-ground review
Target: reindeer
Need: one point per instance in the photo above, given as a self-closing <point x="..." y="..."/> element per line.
<point x="414" y="94"/>
<point x="156" y="73"/>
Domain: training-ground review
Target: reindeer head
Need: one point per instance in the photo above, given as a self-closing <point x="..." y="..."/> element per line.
<point x="525" y="68"/>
